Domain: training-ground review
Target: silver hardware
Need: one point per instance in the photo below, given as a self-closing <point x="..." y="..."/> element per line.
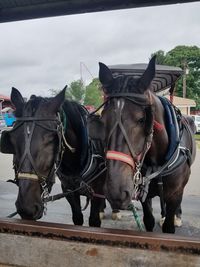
<point x="137" y="180"/>
<point x="44" y="195"/>
<point x="28" y="130"/>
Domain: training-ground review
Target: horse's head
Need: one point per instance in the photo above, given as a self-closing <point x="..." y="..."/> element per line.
<point x="35" y="141"/>
<point x="128" y="121"/>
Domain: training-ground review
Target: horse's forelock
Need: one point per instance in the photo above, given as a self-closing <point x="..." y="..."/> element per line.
<point x="33" y="97"/>
<point x="123" y="84"/>
<point x="33" y="104"/>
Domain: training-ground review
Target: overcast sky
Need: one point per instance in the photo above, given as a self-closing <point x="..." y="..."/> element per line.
<point x="36" y="55"/>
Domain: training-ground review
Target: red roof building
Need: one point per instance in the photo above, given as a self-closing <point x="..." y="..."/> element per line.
<point x="5" y="102"/>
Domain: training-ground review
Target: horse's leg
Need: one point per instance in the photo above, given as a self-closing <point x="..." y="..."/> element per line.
<point x="177" y="217"/>
<point x="116" y="215"/>
<point x="75" y="203"/>
<point x="172" y="205"/>
<point x="96" y="205"/>
<point x="102" y="208"/>
<point x="148" y="217"/>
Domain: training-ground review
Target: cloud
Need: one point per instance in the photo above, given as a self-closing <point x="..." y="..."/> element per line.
<point x="38" y="55"/>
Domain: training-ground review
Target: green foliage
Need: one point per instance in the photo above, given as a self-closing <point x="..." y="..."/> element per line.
<point x="76" y="91"/>
<point x="93" y="95"/>
<point x="90" y="95"/>
<point x="54" y="92"/>
<point x="184" y="57"/>
<point x="160" y="57"/>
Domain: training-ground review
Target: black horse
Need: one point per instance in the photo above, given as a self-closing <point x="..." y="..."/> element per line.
<point x="141" y="161"/>
<point x="51" y="136"/>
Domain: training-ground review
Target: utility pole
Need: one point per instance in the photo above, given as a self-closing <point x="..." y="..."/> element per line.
<point x="185" y="73"/>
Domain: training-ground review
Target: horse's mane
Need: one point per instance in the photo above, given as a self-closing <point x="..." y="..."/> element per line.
<point x="72" y="110"/>
<point x="31" y="105"/>
<point x="75" y="114"/>
<point x="123" y="84"/>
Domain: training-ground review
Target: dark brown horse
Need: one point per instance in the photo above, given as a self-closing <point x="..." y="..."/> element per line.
<point x="138" y="140"/>
<point x="50" y="136"/>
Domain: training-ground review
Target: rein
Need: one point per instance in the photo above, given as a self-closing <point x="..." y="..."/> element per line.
<point x="62" y="195"/>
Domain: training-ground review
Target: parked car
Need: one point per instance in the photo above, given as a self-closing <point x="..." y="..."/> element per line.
<point x="2" y="123"/>
<point x="196" y="119"/>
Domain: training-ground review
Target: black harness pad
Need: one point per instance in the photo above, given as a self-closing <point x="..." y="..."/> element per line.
<point x="5" y="143"/>
<point x="95" y="127"/>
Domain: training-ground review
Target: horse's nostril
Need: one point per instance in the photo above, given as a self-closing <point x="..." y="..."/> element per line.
<point x="38" y="211"/>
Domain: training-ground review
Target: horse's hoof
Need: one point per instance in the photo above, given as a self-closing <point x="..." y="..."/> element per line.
<point x="102" y="215"/>
<point x="116" y="216"/>
<point x="161" y="221"/>
<point x="177" y="221"/>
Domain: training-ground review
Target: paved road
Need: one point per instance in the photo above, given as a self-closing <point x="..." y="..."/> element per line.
<point x="59" y="211"/>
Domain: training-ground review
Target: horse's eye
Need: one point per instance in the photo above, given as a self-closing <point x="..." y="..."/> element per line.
<point x="141" y="121"/>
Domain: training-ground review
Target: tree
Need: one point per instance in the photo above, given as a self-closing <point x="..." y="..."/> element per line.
<point x="93" y="95"/>
<point x="186" y="57"/>
<point x="160" y="57"/>
<point x="76" y="91"/>
<point x="53" y="92"/>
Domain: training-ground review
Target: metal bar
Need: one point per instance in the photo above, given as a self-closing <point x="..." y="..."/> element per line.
<point x="110" y="237"/>
<point x="68" y="7"/>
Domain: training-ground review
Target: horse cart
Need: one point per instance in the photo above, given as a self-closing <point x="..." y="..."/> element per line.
<point x="36" y="243"/>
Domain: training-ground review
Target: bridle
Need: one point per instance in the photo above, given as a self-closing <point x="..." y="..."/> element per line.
<point x="135" y="161"/>
<point x="29" y="124"/>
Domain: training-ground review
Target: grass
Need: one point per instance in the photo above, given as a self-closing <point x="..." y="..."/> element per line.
<point x="197" y="137"/>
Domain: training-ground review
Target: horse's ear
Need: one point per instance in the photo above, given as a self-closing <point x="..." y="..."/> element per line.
<point x="147" y="76"/>
<point x="105" y="76"/>
<point x="16" y="98"/>
<point x="57" y="101"/>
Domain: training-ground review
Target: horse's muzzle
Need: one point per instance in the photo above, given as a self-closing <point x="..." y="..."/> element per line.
<point x="33" y="212"/>
<point x="119" y="201"/>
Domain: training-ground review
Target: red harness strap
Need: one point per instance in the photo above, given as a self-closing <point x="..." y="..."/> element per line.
<point x="115" y="155"/>
<point x="157" y="126"/>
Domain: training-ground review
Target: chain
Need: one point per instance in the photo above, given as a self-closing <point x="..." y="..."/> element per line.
<point x="44" y="195"/>
<point x="137" y="180"/>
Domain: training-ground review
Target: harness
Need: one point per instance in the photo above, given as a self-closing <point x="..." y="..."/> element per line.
<point x="91" y="170"/>
<point x="92" y="163"/>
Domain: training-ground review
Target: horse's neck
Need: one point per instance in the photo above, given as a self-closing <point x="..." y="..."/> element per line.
<point x="71" y="157"/>
<point x="159" y="146"/>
